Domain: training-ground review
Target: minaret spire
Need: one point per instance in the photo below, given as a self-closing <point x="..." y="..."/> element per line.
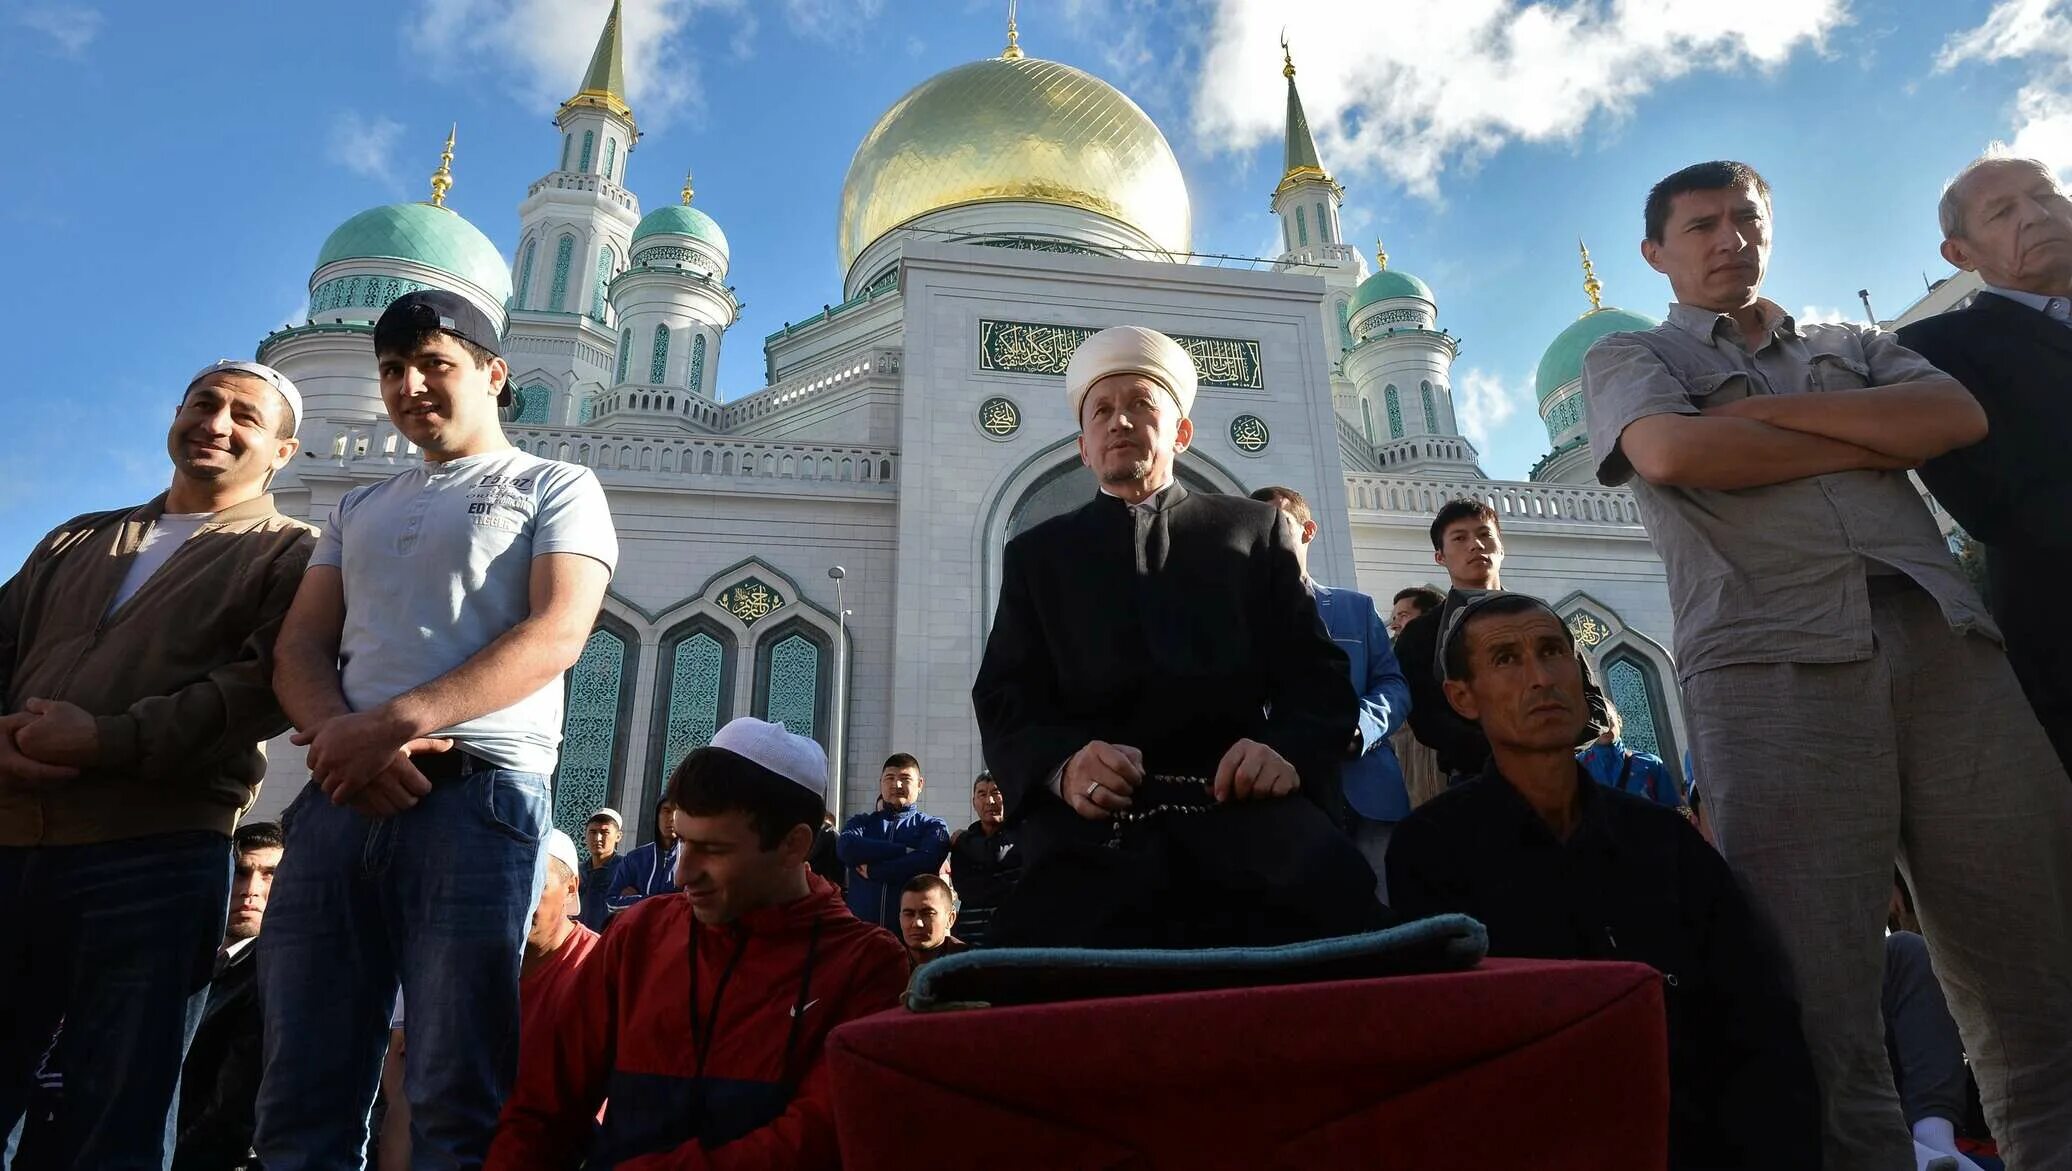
<point x="1302" y="160"/>
<point x="442" y="179"/>
<point x="1381" y="256"/>
<point x="604" y="83"/>
<point x="1592" y="287"/>
<point x="687" y="187"/>
<point x="1013" y="51"/>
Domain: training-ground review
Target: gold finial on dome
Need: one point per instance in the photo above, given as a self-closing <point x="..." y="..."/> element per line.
<point x="1287" y="57"/>
<point x="687" y="187"/>
<point x="1592" y="287"/>
<point x="442" y="179"/>
<point x="1013" y="51"/>
<point x="1381" y="256"/>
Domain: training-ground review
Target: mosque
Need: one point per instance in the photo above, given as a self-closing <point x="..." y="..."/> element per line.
<point x="825" y="550"/>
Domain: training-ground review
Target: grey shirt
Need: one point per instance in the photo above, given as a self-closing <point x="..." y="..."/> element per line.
<point x="1774" y="574"/>
<point x="437" y="563"/>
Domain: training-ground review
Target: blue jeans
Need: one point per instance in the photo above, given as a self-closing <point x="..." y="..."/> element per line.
<point x="116" y="940"/>
<point x="436" y="899"/>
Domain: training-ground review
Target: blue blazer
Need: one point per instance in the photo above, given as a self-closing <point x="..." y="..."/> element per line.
<point x="1373" y="781"/>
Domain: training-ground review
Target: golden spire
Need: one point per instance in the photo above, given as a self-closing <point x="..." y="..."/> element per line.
<point x="1287" y="58"/>
<point x="442" y="179"/>
<point x="1381" y="256"/>
<point x="1013" y="51"/>
<point x="687" y="188"/>
<point x="1592" y="287"/>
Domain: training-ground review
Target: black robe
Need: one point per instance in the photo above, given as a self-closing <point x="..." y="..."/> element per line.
<point x="1177" y="635"/>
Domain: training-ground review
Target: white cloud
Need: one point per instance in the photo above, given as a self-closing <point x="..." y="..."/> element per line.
<point x="365" y="146"/>
<point x="72" y="28"/>
<point x="1824" y="315"/>
<point x="2039" y="34"/>
<point x="1482" y="402"/>
<point x="1414" y="89"/>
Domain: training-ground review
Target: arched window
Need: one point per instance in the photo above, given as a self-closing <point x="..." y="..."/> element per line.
<point x="531" y="404"/>
<point x="611" y="155"/>
<point x="1393" y="404"/>
<point x="1431" y="409"/>
<point x="589" y="141"/>
<point x="525" y="274"/>
<point x="658" y="360"/>
<point x="693" y="697"/>
<point x="1345" y="326"/>
<point x="793" y="670"/>
<point x="625" y="352"/>
<point x="1301" y="227"/>
<point x="696" y="378"/>
<point x="1634" y="689"/>
<point x="1367" y="417"/>
<point x="598" y="688"/>
<point x="567" y="141"/>
<point x="1323" y="225"/>
<point x="604" y="277"/>
<point x="564" y="255"/>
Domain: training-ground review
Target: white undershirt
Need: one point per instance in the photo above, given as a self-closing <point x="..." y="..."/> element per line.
<point x="165" y="535"/>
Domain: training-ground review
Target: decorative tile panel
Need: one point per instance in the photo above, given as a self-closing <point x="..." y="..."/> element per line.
<point x="750" y="600"/>
<point x="1021" y="347"/>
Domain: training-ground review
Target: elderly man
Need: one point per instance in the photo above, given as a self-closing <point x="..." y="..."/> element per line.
<point x="135" y="651"/>
<point x="1559" y="867"/>
<point x="2008" y="220"/>
<point x="1157" y="681"/>
<point x="1847" y="696"/>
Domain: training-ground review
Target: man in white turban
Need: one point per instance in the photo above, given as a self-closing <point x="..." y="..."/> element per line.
<point x="1159" y="702"/>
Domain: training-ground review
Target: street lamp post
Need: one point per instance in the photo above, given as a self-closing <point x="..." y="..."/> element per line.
<point x="841" y="695"/>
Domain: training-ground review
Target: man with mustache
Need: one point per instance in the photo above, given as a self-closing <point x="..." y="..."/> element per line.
<point x="2010" y="221"/>
<point x="1846" y="692"/>
<point x="136" y="647"/>
<point x="1157" y="681"/>
<point x="1557" y="866"/>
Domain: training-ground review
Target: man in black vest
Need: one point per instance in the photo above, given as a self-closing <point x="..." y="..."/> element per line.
<point x="2009" y="220"/>
<point x="1157" y="681"/>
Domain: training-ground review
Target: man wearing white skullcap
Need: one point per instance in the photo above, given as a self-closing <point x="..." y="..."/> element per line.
<point x="769" y="958"/>
<point x="135" y="693"/>
<point x="1157" y="681"/>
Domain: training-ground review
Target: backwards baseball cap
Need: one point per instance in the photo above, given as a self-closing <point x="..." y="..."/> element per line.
<point x="409" y="316"/>
<point x="263" y="373"/>
<point x="798" y="759"/>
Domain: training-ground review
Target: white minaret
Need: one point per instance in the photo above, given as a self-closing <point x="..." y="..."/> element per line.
<point x="1401" y="366"/>
<point x="1307" y="202"/>
<point x="673" y="307"/>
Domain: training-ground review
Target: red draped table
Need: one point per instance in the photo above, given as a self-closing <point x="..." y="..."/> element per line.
<point x="1517" y="1063"/>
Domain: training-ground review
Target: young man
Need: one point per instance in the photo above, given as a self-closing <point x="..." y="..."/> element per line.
<point x="601" y="834"/>
<point x="2010" y="221"/>
<point x="647" y="869"/>
<point x="891" y="844"/>
<point x="1423" y="779"/>
<point x="927" y="912"/>
<point x="703" y="1016"/>
<point x="1558" y="867"/>
<point x="984" y="864"/>
<point x="1410" y="604"/>
<point x="1370" y="778"/>
<point x="135" y="651"/>
<point x="1468" y="539"/>
<point x="219" y="1085"/>
<point x="1155" y="650"/>
<point x="1845" y="690"/>
<point x="422" y="663"/>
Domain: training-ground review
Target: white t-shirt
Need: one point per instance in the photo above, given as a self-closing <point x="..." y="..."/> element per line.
<point x="161" y="540"/>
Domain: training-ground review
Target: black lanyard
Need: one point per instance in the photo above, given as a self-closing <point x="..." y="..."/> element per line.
<point x="701" y="1037"/>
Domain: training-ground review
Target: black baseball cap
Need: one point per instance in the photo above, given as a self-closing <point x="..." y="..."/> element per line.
<point x="412" y="314"/>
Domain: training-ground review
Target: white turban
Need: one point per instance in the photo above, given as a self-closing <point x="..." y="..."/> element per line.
<point x="1130" y="349"/>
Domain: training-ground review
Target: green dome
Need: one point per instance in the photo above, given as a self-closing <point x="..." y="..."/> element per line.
<point x="1389" y="284"/>
<point x="681" y="219"/>
<point x="1563" y="361"/>
<point x="428" y="235"/>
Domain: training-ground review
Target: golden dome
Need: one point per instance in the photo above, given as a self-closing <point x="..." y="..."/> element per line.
<point x="1020" y="129"/>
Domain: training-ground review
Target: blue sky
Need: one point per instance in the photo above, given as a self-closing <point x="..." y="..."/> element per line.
<point x="176" y="167"/>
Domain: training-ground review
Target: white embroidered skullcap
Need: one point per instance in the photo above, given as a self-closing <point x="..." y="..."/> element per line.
<point x="798" y="759"/>
<point x="263" y="373"/>
<point x="1130" y="349"/>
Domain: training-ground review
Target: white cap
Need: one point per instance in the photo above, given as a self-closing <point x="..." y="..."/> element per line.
<point x="263" y="373"/>
<point x="559" y="845"/>
<point x="607" y="811"/>
<point x="1131" y="349"/>
<point x="798" y="759"/>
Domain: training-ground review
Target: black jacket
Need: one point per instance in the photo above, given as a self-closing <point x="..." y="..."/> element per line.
<point x="1633" y="882"/>
<point x="219" y="1084"/>
<point x="2009" y="490"/>
<point x="1462" y="748"/>
<point x="983" y="869"/>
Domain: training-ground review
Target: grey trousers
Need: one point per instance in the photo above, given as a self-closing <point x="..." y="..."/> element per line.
<point x="1921" y="1041"/>
<point x="1817" y="775"/>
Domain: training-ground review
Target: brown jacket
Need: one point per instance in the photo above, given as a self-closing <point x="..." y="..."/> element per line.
<point x="179" y="678"/>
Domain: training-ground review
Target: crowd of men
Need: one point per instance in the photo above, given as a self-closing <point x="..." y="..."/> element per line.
<point x="1189" y="743"/>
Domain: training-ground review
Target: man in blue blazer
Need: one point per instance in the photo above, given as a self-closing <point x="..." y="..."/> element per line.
<point x="1371" y="778"/>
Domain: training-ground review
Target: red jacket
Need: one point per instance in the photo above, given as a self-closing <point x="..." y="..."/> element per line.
<point x="781" y="977"/>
